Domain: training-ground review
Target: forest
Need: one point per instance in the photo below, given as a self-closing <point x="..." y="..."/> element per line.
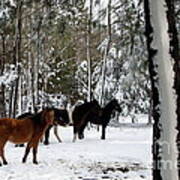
<point x="55" y="52"/>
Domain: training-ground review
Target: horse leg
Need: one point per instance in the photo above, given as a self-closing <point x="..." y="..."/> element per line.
<point x="35" y="142"/>
<point x="81" y="130"/>
<point x="75" y="137"/>
<point x="35" y="145"/>
<point x="32" y="143"/>
<point x="19" y="145"/>
<point x="56" y="134"/>
<point x="81" y="133"/>
<point x="75" y="134"/>
<point x="28" y="147"/>
<point x="46" y="141"/>
<point x="2" y="154"/>
<point x="3" y="157"/>
<point x="2" y="144"/>
<point x="103" y="137"/>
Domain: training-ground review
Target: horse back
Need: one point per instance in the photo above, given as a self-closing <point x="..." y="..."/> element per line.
<point x="79" y="111"/>
<point x="6" y="125"/>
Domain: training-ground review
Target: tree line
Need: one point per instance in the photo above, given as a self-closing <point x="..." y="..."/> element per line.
<point x="71" y="50"/>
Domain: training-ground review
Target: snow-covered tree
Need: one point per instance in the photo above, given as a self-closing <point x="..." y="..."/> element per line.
<point x="126" y="75"/>
<point x="164" y="66"/>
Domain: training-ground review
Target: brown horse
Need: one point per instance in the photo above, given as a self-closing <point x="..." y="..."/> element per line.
<point x="61" y="117"/>
<point x="28" y="130"/>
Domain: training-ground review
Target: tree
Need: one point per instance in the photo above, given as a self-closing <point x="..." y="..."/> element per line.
<point x="108" y="46"/>
<point x="89" y="58"/>
<point x="126" y="73"/>
<point x="164" y="68"/>
<point x="2" y="86"/>
<point x="17" y="55"/>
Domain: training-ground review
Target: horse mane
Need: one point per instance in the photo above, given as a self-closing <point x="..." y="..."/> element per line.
<point x="86" y="105"/>
<point x="37" y="118"/>
<point x="63" y="113"/>
<point x="110" y="106"/>
<point x="25" y="115"/>
<point x="107" y="110"/>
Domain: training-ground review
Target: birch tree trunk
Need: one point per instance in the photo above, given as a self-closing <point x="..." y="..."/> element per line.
<point x="17" y="54"/>
<point x="106" y="54"/>
<point x="164" y="67"/>
<point x="2" y="86"/>
<point x="89" y="51"/>
<point x="37" y="61"/>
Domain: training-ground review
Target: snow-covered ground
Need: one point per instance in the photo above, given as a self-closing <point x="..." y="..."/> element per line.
<point x="125" y="154"/>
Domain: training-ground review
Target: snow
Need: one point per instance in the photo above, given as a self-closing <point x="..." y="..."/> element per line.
<point x="125" y="154"/>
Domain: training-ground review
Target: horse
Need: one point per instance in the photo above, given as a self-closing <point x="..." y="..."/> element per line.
<point x="102" y="118"/>
<point x="80" y="114"/>
<point x="62" y="119"/>
<point x="22" y="116"/>
<point x="28" y="130"/>
<point x="107" y="111"/>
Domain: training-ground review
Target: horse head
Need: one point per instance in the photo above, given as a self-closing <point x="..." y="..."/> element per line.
<point x="61" y="117"/>
<point x="116" y="105"/>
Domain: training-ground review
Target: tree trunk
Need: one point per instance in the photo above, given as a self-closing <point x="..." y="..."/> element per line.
<point x="106" y="54"/>
<point x="2" y="87"/>
<point x="164" y="67"/>
<point x="150" y="118"/>
<point x="89" y="52"/>
<point x="17" y="54"/>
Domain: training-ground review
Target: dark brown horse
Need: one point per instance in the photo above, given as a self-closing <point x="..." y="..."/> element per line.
<point x="62" y="119"/>
<point x="101" y="118"/>
<point x="28" y="130"/>
<point x="82" y="114"/>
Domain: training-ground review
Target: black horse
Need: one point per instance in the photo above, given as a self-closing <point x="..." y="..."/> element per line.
<point x="101" y="118"/>
<point x="107" y="111"/>
<point x="82" y="114"/>
<point x="61" y="117"/>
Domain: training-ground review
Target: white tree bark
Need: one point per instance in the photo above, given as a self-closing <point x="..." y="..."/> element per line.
<point x="106" y="54"/>
<point x="163" y="76"/>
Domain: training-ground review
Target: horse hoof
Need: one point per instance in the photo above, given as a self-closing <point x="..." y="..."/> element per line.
<point x="23" y="161"/>
<point x="46" y="143"/>
<point x="35" y="162"/>
<point x="81" y="137"/>
<point x="5" y="162"/>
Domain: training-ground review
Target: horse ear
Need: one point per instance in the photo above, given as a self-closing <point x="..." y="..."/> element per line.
<point x="95" y="101"/>
<point x="115" y="100"/>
